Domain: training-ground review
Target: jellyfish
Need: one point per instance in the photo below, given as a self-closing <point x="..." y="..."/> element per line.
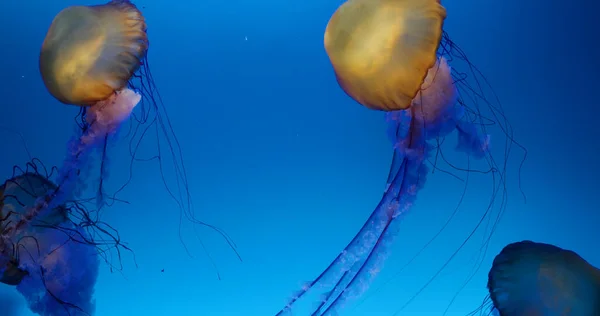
<point x="96" y="58"/>
<point x="86" y="59"/>
<point x="51" y="243"/>
<point x="530" y="278"/>
<point x="393" y="56"/>
<point x="47" y="254"/>
<point x="47" y="251"/>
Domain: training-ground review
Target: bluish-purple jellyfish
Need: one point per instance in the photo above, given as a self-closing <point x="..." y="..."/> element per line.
<point x="48" y="239"/>
<point x="49" y="257"/>
<point x="530" y="278"/>
<point x="393" y="56"/>
<point x="47" y="246"/>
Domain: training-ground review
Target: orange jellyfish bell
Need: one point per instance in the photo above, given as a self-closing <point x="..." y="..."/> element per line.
<point x="381" y="50"/>
<point x="90" y="52"/>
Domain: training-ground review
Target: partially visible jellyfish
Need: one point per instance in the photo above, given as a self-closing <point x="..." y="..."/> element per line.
<point x="393" y="56"/>
<point x="529" y="278"/>
<point x="97" y="54"/>
<point x="50" y="243"/>
<point x="55" y="274"/>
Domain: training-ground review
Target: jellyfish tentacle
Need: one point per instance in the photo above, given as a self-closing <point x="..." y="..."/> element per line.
<point x="66" y="260"/>
<point x="352" y="253"/>
<point x="104" y="118"/>
<point x="328" y="295"/>
<point x="357" y="251"/>
<point x="399" y="198"/>
<point x="398" y="208"/>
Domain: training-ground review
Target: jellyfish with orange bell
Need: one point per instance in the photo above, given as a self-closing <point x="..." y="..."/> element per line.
<point x="96" y="58"/>
<point x="394" y="56"/>
<point x="87" y="59"/>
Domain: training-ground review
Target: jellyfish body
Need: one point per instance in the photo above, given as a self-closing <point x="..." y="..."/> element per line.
<point x="529" y="278"/>
<point x="57" y="254"/>
<point x="18" y="223"/>
<point x="433" y="113"/>
<point x="49" y="256"/>
<point x="391" y="55"/>
<point x="87" y="58"/>
<point x="42" y="253"/>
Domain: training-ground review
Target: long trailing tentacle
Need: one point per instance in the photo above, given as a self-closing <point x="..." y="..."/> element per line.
<point x="352" y="271"/>
<point x="41" y="230"/>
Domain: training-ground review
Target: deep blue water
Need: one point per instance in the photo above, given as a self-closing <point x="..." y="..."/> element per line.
<point x="290" y="167"/>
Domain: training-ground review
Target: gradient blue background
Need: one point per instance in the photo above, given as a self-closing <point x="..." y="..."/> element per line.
<point x="290" y="167"/>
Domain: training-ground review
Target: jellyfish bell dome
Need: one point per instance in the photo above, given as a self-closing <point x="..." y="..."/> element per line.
<point x="90" y="52"/>
<point x="531" y="278"/>
<point x="381" y="50"/>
